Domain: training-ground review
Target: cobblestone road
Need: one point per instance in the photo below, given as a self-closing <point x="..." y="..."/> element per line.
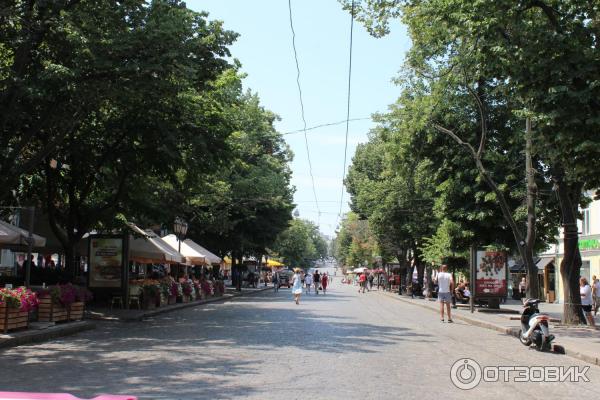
<point x="343" y="345"/>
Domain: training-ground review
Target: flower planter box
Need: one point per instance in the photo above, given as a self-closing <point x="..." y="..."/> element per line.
<point x="187" y="298"/>
<point x="75" y="312"/>
<point x="172" y="300"/>
<point x="149" y="303"/>
<point x="48" y="311"/>
<point x="12" y="318"/>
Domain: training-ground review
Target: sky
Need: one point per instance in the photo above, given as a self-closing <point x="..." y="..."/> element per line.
<point x="322" y="42"/>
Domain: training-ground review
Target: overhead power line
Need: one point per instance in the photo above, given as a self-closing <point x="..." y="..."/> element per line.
<point x="347" y="109"/>
<point x="302" y="108"/>
<point x="324" y="125"/>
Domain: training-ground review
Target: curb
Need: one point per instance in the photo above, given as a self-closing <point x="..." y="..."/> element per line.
<point x="180" y="306"/>
<point x="28" y="337"/>
<point x="511" y="331"/>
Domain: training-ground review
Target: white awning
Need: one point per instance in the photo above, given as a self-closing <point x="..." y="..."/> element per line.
<point x="543" y="262"/>
<point x="151" y="248"/>
<point x="211" y="258"/>
<point x="12" y="235"/>
<point x="192" y="256"/>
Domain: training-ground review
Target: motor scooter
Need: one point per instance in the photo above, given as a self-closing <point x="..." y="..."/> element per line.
<point x="534" y="326"/>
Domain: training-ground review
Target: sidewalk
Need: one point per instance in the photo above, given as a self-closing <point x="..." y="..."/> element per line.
<point x="580" y="342"/>
<point x="132" y="315"/>
<point x="43" y="331"/>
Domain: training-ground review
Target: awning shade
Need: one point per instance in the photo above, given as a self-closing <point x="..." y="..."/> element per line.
<point x="541" y="263"/>
<point x="192" y="256"/>
<point x="273" y="263"/>
<point x="211" y="258"/>
<point x="12" y="236"/>
<point x="150" y="247"/>
<point x="544" y="262"/>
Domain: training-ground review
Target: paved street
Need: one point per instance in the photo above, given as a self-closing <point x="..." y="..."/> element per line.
<point x="343" y="345"/>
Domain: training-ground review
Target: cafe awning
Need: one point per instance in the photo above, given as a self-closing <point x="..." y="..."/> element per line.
<point x="540" y="262"/>
<point x="13" y="237"/>
<point x="145" y="246"/>
<point x="274" y="263"/>
<point x="211" y="258"/>
<point x="192" y="256"/>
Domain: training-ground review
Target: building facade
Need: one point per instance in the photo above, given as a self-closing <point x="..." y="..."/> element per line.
<point x="589" y="246"/>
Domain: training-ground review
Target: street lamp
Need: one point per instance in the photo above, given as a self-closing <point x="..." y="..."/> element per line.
<point x="180" y="228"/>
<point x="296" y="213"/>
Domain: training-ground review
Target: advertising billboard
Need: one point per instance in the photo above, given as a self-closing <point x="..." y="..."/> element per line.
<point x="106" y="261"/>
<point x="491" y="278"/>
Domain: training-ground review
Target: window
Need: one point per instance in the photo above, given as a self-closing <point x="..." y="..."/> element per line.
<point x="585" y="222"/>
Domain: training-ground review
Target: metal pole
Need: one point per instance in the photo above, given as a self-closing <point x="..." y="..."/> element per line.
<point x="473" y="277"/>
<point x="29" y="247"/>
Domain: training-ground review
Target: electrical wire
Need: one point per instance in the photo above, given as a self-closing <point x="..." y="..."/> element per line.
<point x="302" y="108"/>
<point x="324" y="125"/>
<point x="347" y="110"/>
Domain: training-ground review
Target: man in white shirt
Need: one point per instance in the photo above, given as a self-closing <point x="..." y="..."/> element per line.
<point x="445" y="289"/>
<point x="308" y="280"/>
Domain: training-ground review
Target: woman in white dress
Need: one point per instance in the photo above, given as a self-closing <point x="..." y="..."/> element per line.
<point x="297" y="285"/>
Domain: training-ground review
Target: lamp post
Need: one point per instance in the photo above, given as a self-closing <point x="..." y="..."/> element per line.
<point x="180" y="228"/>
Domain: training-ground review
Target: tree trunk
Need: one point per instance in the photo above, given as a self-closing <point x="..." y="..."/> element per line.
<point x="570" y="265"/>
<point x="533" y="289"/>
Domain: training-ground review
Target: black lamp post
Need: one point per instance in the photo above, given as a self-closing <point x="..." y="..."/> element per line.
<point x="180" y="228"/>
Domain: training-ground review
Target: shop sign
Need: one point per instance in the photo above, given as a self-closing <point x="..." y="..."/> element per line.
<point x="106" y="261"/>
<point x="589" y="244"/>
<point x="491" y="274"/>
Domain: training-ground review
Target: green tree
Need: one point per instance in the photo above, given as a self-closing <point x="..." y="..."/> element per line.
<point x="296" y="244"/>
<point x="155" y="65"/>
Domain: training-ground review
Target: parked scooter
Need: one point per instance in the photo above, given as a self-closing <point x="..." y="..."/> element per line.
<point x="534" y="326"/>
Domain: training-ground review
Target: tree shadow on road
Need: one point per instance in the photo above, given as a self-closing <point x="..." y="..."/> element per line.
<point x="192" y="353"/>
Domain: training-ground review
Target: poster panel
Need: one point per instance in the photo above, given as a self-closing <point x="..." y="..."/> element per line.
<point x="491" y="274"/>
<point x="106" y="261"/>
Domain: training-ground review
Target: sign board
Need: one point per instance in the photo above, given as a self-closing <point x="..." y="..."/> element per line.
<point x="589" y="244"/>
<point x="106" y="261"/>
<point x="491" y="274"/>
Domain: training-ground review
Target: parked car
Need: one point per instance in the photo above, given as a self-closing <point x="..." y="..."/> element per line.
<point x="285" y="278"/>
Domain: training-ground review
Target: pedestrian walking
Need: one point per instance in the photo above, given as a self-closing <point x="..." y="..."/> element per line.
<point x="362" y="280"/>
<point x="324" y="282"/>
<point x="297" y="285"/>
<point x="523" y="287"/>
<point x="596" y="294"/>
<point x="275" y="280"/>
<point x="371" y="279"/>
<point x="445" y="289"/>
<point x="308" y="281"/>
<point x="317" y="281"/>
<point x="585" y="291"/>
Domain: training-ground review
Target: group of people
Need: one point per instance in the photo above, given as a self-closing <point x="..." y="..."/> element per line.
<point x="302" y="280"/>
<point x="366" y="281"/>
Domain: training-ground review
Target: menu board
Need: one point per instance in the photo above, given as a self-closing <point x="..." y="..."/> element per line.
<point x="491" y="274"/>
<point x="106" y="261"/>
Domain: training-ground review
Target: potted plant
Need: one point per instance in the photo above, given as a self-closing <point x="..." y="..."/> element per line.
<point x="219" y="287"/>
<point x="151" y="291"/>
<point x="15" y="305"/>
<point x="188" y="290"/>
<point x="76" y="309"/>
<point x="55" y="303"/>
<point x="165" y="291"/>
<point x="206" y="288"/>
<point x="175" y="292"/>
